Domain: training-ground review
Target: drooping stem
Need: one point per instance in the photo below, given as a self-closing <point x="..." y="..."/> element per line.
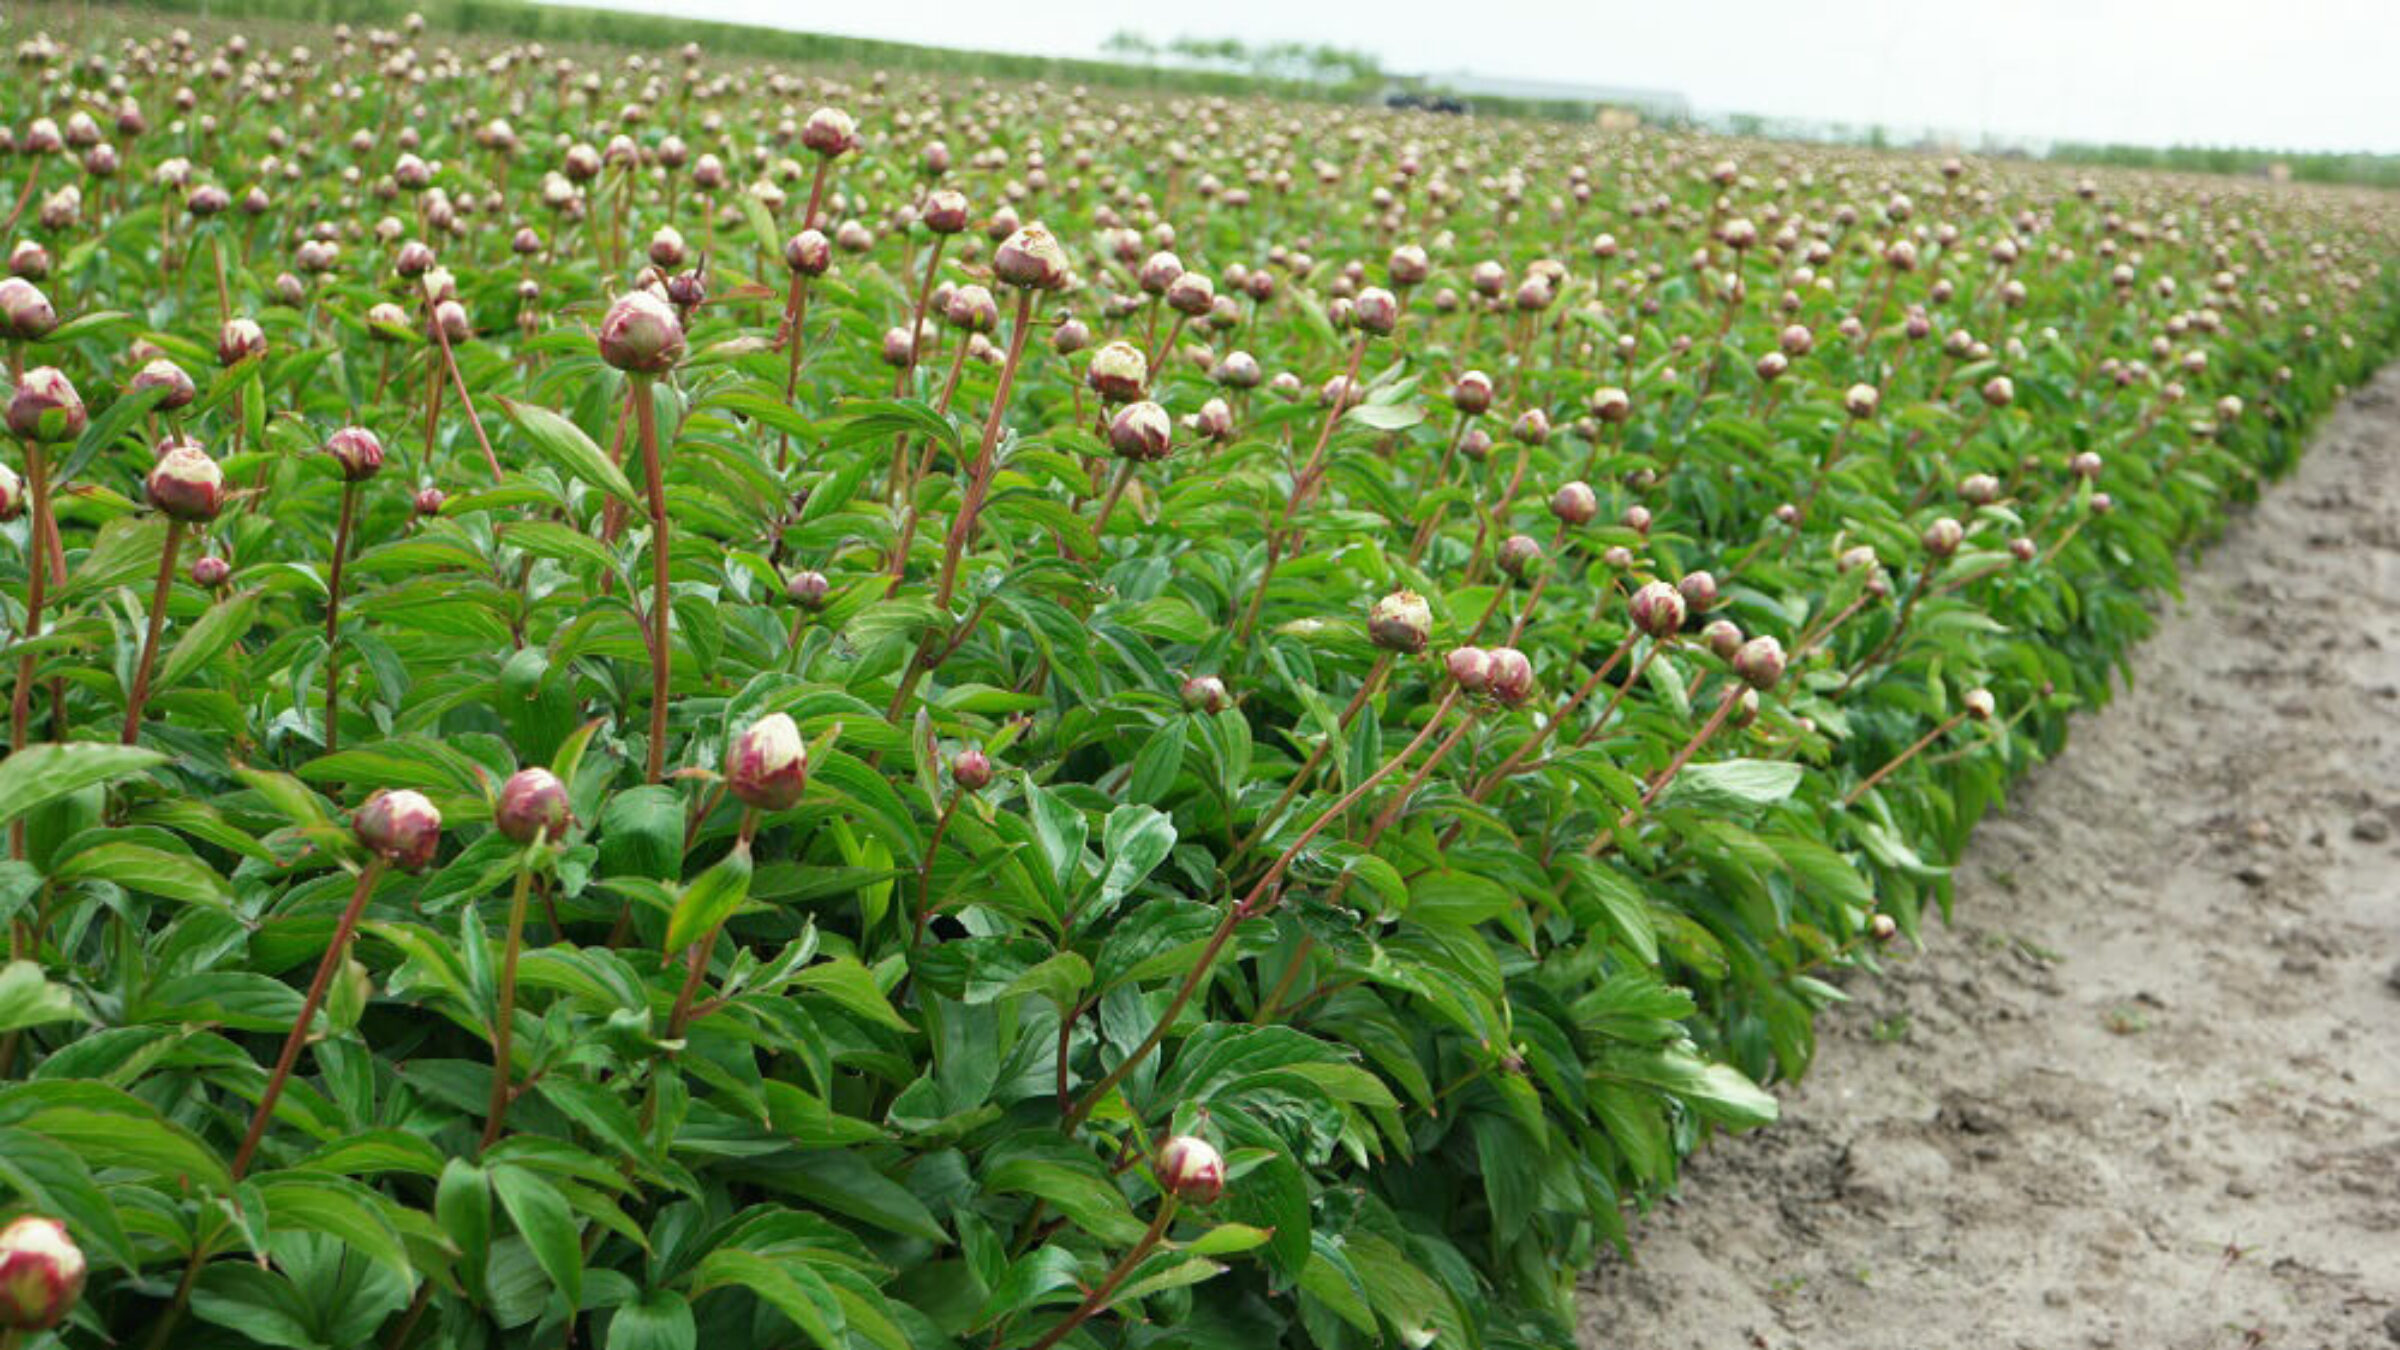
<point x="504" y="1023"/>
<point x="645" y="416"/>
<point x="158" y="622"/>
<point x="333" y="618"/>
<point x="332" y="960"/>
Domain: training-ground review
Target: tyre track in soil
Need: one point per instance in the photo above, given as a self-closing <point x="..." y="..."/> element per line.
<point x="2146" y="1091"/>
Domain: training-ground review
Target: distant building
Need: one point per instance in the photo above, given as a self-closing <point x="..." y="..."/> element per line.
<point x="1657" y="105"/>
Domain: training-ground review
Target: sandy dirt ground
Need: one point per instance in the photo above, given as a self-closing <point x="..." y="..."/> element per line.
<point x="2146" y="1091"/>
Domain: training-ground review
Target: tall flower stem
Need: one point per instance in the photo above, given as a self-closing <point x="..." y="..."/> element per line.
<point x="645" y="416"/>
<point x="37" y="588"/>
<point x="1249" y="904"/>
<point x="158" y="622"/>
<point x="331" y="961"/>
<point x="504" y="1023"/>
<point x="979" y="475"/>
<point x="1303" y="484"/>
<point x="333" y="618"/>
<point x="459" y="383"/>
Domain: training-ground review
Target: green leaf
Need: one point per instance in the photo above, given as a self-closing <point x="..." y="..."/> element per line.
<point x="660" y="1320"/>
<point x="27" y="999"/>
<point x="788" y="1286"/>
<point x="206" y="640"/>
<point x="1733" y="783"/>
<point x="152" y="871"/>
<point x="1135" y="840"/>
<point x="1088" y="1197"/>
<point x="43" y="773"/>
<point x="563" y="443"/>
<point x="853" y="986"/>
<point x="337" y="1207"/>
<point x="712" y="898"/>
<point x="547" y="1223"/>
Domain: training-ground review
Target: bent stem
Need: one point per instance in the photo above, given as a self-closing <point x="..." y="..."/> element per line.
<point x="333" y="618"/>
<point x="1868" y="784"/>
<point x="308" y="1013"/>
<point x="458" y="382"/>
<point x="1099" y="1297"/>
<point x="1249" y="904"/>
<point x="645" y="416"/>
<point x="158" y="623"/>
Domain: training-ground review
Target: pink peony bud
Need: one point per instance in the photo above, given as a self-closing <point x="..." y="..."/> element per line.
<point x="640" y="335"/>
<point x="1472" y="394"/>
<point x="12" y="494"/>
<point x="1575" y="503"/>
<point x="1943" y="537"/>
<point x="1142" y="432"/>
<point x="240" y="340"/>
<point x="1400" y="622"/>
<point x="1979" y="704"/>
<point x="1698" y="589"/>
<point x="767" y="767"/>
<point x="830" y="132"/>
<point x="808" y="590"/>
<point x="1191" y="1170"/>
<point x="1032" y="259"/>
<point x="1118" y="372"/>
<point x="25" y="313"/>
<point x="1471" y="667"/>
<point x="1205" y="694"/>
<point x="1512" y="676"/>
<point x="357" y="452"/>
<point x="1861" y="401"/>
<point x="186" y="484"/>
<point x="429" y="501"/>
<point x="210" y="571"/>
<point x="1723" y="638"/>
<point x="971" y="769"/>
<point x="1759" y="662"/>
<point x="1611" y="404"/>
<point x="1657" y="609"/>
<point x="42" y="1271"/>
<point x="401" y="827"/>
<point x="1376" y="312"/>
<point x="1519" y="554"/>
<point x="533" y="805"/>
<point x="808" y="253"/>
<point x="46" y="407"/>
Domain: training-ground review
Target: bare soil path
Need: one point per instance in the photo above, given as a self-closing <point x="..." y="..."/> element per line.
<point x="2146" y="1091"/>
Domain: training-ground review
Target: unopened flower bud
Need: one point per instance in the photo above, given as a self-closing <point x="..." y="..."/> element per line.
<point x="640" y="335"/>
<point x="429" y="501"/>
<point x="1191" y="1170"/>
<point x="46" y="407"/>
<point x="2086" y="464"/>
<point x="358" y="453"/>
<point x="1861" y="401"/>
<point x="26" y="314"/>
<point x="971" y="769"/>
<point x="209" y="571"/>
<point x="830" y="132"/>
<point x="1611" y="405"/>
<point x="186" y="485"/>
<point x="1119" y="372"/>
<point x="1657" y="609"/>
<point x="240" y="340"/>
<point x="808" y="589"/>
<point x="41" y="1274"/>
<point x="1979" y="704"/>
<point x="1032" y="259"/>
<point x="947" y="212"/>
<point x="1759" y="662"/>
<point x="1518" y="555"/>
<point x="1575" y="503"/>
<point x="401" y="827"/>
<point x="1698" y="589"/>
<point x="808" y="253"/>
<point x="533" y="805"/>
<point x="1141" y="432"/>
<point x="1205" y="694"/>
<point x="1512" y="676"/>
<point x="767" y="766"/>
<point x="1376" y="312"/>
<point x="1979" y="489"/>
<point x="1723" y="637"/>
<point x="1999" y="391"/>
<point x="1471" y="667"/>
<point x="1472" y="394"/>
<point x="1943" y="537"/>
<point x="1400" y="622"/>
<point x="1532" y="427"/>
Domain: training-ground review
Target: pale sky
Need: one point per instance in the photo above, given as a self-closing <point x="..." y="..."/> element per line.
<point x="2283" y="74"/>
